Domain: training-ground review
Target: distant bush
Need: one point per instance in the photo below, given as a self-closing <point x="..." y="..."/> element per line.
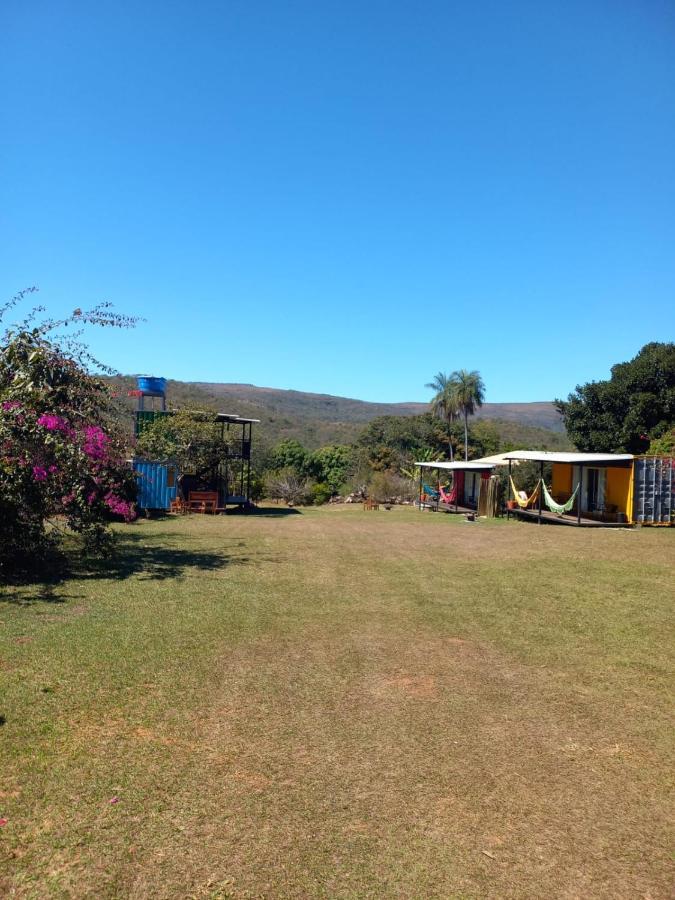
<point x="331" y="465"/>
<point x="288" y="486"/>
<point x="387" y="487"/>
<point x="321" y="493"/>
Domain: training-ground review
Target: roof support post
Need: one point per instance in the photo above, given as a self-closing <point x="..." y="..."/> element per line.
<point x="581" y="486"/>
<point x="541" y="490"/>
<point x="508" y="494"/>
<point x="420" y="493"/>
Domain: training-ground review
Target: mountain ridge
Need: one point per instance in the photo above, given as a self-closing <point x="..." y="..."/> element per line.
<point x="329" y="407"/>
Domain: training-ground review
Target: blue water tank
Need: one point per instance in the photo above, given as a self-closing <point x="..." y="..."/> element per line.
<point x="150" y="385"/>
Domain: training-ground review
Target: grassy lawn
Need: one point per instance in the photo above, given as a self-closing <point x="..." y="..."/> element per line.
<point x="342" y="704"/>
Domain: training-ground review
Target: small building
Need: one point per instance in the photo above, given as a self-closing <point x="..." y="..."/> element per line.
<point x="160" y="482"/>
<point x="610" y="489"/>
<point x="473" y="487"/>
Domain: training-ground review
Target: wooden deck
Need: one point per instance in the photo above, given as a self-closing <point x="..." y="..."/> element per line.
<point x="450" y="508"/>
<point x="550" y="518"/>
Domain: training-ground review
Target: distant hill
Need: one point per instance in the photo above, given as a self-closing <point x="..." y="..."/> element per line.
<point x="342" y="409"/>
<point x="319" y="419"/>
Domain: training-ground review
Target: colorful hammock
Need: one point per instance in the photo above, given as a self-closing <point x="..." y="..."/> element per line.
<point x="430" y="492"/>
<point x="523" y="504"/>
<point x="449" y="498"/>
<point x="559" y="508"/>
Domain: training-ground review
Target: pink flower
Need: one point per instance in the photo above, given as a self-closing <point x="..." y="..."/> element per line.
<point x="95" y="442"/>
<point x="120" y="507"/>
<point x="9" y="405"/>
<point x="53" y="423"/>
<point x="39" y="473"/>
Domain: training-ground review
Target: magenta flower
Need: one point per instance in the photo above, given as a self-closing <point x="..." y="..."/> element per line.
<point x="9" y="405"/>
<point x="120" y="507"/>
<point x="95" y="442"/>
<point x="39" y="473"/>
<point x="53" y="423"/>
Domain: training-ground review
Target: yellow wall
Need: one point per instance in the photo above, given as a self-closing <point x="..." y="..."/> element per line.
<point x="618" y="489"/>
<point x="561" y="480"/>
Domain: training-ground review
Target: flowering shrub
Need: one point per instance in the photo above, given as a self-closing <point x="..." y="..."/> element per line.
<point x="61" y="458"/>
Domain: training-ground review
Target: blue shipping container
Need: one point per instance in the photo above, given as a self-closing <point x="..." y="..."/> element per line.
<point x="157" y="483"/>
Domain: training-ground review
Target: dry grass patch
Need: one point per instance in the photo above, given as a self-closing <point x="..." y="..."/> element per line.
<point x="340" y="704"/>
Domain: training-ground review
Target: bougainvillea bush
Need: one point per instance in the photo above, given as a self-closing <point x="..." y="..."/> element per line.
<point x="62" y="466"/>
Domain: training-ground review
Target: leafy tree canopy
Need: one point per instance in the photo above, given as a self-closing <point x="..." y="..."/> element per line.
<point x="289" y="454"/>
<point x="624" y="414"/>
<point x="191" y="438"/>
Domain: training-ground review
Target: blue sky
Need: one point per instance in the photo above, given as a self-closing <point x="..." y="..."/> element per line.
<point x="346" y="197"/>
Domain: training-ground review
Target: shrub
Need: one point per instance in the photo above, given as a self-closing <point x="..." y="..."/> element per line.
<point x="60" y="454"/>
<point x="288" y="486"/>
<point x="387" y="487"/>
<point x="321" y="493"/>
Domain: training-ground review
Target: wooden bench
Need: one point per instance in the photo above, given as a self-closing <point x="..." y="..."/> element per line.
<point x="371" y="504"/>
<point x="203" y="501"/>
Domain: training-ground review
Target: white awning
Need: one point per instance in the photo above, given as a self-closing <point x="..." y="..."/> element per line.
<point x="573" y="458"/>
<point x="499" y="459"/>
<point x="473" y="464"/>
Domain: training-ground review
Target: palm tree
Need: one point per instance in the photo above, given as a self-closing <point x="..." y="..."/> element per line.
<point x="444" y="403"/>
<point x="468" y="391"/>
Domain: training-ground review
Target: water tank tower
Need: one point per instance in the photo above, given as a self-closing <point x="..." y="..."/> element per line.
<point x="152" y="387"/>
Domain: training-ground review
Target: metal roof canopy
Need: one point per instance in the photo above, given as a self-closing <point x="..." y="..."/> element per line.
<point x="240" y="420"/>
<point x="475" y="464"/>
<point x="573" y="458"/>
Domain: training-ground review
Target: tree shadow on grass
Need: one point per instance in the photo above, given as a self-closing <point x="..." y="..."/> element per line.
<point x="134" y="556"/>
<point x="273" y="512"/>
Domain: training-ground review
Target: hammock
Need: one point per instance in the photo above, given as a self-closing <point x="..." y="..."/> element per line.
<point x="449" y="498"/>
<point x="559" y="508"/>
<point x="430" y="492"/>
<point x="523" y="504"/>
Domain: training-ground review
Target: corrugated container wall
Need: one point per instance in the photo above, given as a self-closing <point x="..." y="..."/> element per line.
<point x="157" y="484"/>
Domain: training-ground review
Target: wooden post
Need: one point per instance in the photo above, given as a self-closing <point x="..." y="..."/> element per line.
<point x="541" y="490"/>
<point x="420" y="494"/>
<point x="508" y="494"/>
<point x="248" y="469"/>
<point x="581" y="490"/>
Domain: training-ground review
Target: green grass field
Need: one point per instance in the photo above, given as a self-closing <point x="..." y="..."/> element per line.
<point x="343" y="704"/>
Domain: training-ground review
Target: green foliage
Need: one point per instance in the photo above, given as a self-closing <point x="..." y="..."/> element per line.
<point x="331" y="465"/>
<point x="321" y="493"/>
<point x="445" y="406"/>
<point x="289" y="454"/>
<point x="483" y="439"/>
<point x="664" y="445"/>
<point x="468" y="392"/>
<point x="636" y="405"/>
<point x="190" y="438"/>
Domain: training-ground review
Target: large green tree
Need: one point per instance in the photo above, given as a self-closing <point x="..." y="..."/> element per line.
<point x="635" y="406"/>
<point x="468" y="391"/>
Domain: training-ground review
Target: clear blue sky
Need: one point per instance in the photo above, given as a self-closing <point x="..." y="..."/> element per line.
<point x="347" y="197"/>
